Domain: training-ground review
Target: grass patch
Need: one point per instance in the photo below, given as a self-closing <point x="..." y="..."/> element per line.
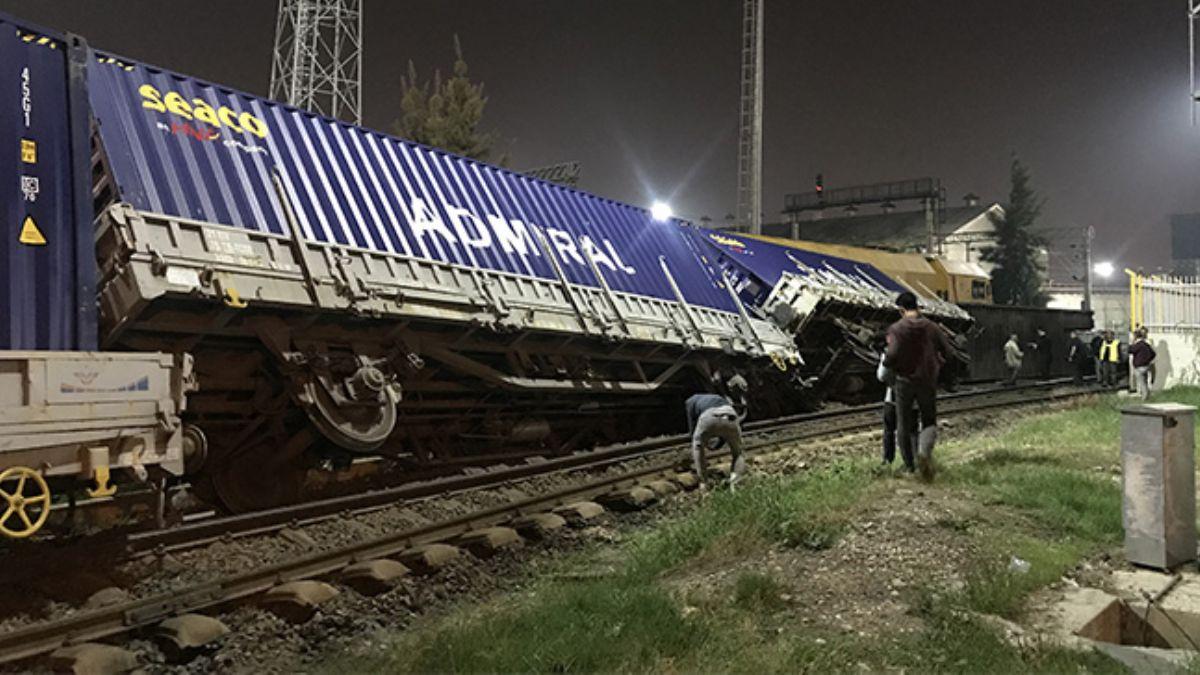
<point x="997" y="587"/>
<point x="563" y="629"/>
<point x="1049" y="498"/>
<point x="809" y="511"/>
<point x="629" y="622"/>
<point x="753" y="591"/>
<point x="957" y="642"/>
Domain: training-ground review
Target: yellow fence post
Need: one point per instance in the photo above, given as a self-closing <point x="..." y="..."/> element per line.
<point x="1134" y="299"/>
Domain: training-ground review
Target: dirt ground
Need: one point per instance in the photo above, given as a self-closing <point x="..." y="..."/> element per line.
<point x="906" y="536"/>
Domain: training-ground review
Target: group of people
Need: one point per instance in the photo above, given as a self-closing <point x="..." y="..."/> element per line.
<point x="910" y="367"/>
<point x="916" y="350"/>
<point x="1103" y="355"/>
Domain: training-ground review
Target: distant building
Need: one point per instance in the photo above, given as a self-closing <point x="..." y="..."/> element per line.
<point x="964" y="232"/>
<point x="1185" y="243"/>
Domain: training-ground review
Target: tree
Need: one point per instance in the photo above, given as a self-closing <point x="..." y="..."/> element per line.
<point x="445" y="114"/>
<point x="1017" y="277"/>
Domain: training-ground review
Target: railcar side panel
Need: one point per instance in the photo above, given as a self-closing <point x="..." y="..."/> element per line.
<point x="185" y="148"/>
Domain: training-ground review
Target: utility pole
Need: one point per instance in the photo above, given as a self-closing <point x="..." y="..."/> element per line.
<point x="1088" y="235"/>
<point x="1193" y="16"/>
<point x="750" y="119"/>
<point x="317" y="63"/>
<point x="931" y="227"/>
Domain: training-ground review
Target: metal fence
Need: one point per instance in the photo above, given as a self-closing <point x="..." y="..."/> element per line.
<point x="1164" y="303"/>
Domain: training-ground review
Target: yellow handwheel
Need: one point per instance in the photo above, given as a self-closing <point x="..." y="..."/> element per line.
<point x="778" y="360"/>
<point x="15" y="521"/>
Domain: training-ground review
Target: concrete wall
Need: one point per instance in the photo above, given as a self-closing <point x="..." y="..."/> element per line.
<point x="1110" y="309"/>
<point x="1178" y="358"/>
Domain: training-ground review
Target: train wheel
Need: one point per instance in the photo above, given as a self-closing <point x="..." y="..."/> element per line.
<point x="26" y="502"/>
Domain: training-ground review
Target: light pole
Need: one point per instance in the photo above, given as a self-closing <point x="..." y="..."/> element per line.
<point x="1088" y="235"/>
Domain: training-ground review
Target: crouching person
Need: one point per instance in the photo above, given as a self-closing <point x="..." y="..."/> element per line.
<point x="713" y="422"/>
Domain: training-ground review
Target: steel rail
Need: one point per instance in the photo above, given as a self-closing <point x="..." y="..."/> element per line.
<point x="262" y="522"/>
<point x="128" y="617"/>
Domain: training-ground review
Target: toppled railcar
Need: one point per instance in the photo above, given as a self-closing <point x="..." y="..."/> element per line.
<point x="953" y="281"/>
<point x="837" y="309"/>
<point x="344" y="291"/>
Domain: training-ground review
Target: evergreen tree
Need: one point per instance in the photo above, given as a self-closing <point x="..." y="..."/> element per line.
<point x="445" y="114"/>
<point x="414" y="107"/>
<point x="1017" y="277"/>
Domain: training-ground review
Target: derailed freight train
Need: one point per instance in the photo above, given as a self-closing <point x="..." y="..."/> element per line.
<point x="837" y="309"/>
<point x="274" y="292"/>
<point x="284" y="291"/>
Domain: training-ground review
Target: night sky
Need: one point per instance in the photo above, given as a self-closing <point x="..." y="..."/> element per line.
<point x="1091" y="95"/>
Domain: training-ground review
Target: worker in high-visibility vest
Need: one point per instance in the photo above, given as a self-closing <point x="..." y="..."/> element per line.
<point x="1110" y="358"/>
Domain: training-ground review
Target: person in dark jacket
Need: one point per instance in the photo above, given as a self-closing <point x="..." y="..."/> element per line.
<point x="1078" y="356"/>
<point x="1097" y="342"/>
<point x="885" y="375"/>
<point x="713" y="422"/>
<point x="916" y="350"/>
<point x="1041" y="345"/>
<point x="1142" y="355"/>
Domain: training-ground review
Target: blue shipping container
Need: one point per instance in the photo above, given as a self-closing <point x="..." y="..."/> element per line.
<point x="182" y="147"/>
<point x="47" y="259"/>
<point x="755" y="266"/>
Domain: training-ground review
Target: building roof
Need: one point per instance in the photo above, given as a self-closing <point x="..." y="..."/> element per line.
<point x="899" y="230"/>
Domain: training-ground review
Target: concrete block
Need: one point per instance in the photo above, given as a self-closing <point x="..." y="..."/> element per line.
<point x="373" y="577"/>
<point x="181" y="637"/>
<point x="429" y="558"/>
<point x="686" y="480"/>
<point x="1078" y="607"/>
<point x="1148" y="659"/>
<point x="106" y="597"/>
<point x="297" y="601"/>
<point x="632" y="499"/>
<point x="90" y="658"/>
<point x="663" y="487"/>
<point x="580" y="513"/>
<point x="538" y="525"/>
<point x="1130" y="584"/>
<point x="489" y="541"/>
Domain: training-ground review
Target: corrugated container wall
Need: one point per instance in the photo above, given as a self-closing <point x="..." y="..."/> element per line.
<point x="756" y="266"/>
<point x="47" y="259"/>
<point x="186" y="148"/>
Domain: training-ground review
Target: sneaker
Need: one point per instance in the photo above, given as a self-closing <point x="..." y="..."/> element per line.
<point x="733" y="481"/>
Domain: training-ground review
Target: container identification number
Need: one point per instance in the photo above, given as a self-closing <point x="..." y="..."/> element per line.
<point x="200" y="110"/>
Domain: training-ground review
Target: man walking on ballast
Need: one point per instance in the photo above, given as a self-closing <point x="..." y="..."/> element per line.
<point x="713" y="422"/>
<point x="916" y="350"/>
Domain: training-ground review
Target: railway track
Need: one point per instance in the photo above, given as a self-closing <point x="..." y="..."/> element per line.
<point x="126" y="618"/>
<point x="205" y="530"/>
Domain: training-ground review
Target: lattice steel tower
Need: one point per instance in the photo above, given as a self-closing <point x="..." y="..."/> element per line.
<point x="750" y="119"/>
<point x="318" y="57"/>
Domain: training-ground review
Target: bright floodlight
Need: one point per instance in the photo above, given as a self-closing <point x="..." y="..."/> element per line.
<point x="1104" y="269"/>
<point x="661" y="211"/>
